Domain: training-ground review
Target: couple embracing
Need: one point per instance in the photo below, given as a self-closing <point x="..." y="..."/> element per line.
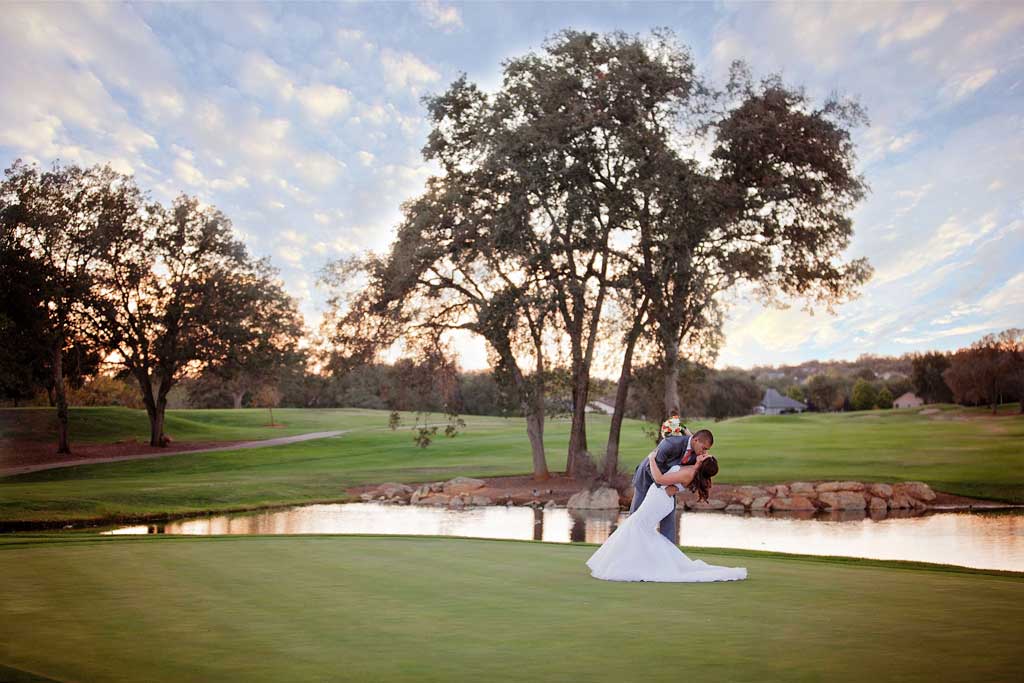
<point x="643" y="548"/>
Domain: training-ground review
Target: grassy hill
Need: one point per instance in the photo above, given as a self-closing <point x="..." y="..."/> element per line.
<point x="956" y="450"/>
<point x="288" y="608"/>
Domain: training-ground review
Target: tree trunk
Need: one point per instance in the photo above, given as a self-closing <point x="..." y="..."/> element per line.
<point x="578" y="431"/>
<point x="61" y="399"/>
<point x="238" y="396"/>
<point x="611" y="456"/>
<point x="530" y="393"/>
<point x="535" y="430"/>
<point x="156" y="428"/>
<point x="155" y="406"/>
<point x="671" y="374"/>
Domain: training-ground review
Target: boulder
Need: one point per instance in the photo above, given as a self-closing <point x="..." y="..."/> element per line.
<point x="711" y="504"/>
<point x="833" y="486"/>
<point x="751" y="492"/>
<point x="916" y="489"/>
<point x="420" y="493"/>
<point x="481" y="500"/>
<point x="877" y="504"/>
<point x="391" y="489"/>
<point x="456" y="503"/>
<point x="842" y="500"/>
<point x="602" y="499"/>
<point x="917" y="504"/>
<point x="684" y="499"/>
<point x="743" y="501"/>
<point x="880" y="490"/>
<point x="793" y="503"/>
<point x="761" y="504"/>
<point x="434" y="500"/>
<point x="460" y="485"/>
<point x="802" y="488"/>
<point x="900" y="501"/>
<point x="735" y="507"/>
<point x="779" y="490"/>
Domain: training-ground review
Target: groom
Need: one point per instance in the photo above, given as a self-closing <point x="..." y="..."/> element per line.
<point x="673" y="450"/>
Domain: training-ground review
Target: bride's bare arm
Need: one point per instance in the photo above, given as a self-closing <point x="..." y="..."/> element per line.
<point x="683" y="476"/>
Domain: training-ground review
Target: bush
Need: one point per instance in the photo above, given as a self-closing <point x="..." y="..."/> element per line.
<point x="884" y="399"/>
<point x="103" y="390"/>
<point x="864" y="395"/>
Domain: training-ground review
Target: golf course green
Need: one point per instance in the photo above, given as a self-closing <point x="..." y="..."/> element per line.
<point x="351" y="608"/>
<point x="957" y="450"/>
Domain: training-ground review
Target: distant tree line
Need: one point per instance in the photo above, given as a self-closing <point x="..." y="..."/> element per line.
<point x="988" y="372"/>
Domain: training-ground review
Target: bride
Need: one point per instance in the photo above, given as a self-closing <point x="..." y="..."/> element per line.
<point x="637" y="552"/>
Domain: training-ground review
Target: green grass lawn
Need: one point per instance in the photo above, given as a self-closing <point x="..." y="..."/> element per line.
<point x="350" y="608"/>
<point x="106" y="425"/>
<point x="959" y="451"/>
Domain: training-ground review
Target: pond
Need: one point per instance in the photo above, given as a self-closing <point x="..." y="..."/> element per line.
<point x="987" y="540"/>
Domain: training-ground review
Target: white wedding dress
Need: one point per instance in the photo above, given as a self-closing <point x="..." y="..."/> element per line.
<point x="636" y="551"/>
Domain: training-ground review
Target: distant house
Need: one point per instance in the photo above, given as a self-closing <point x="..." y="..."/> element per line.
<point x="604" y="405"/>
<point x="775" y="403"/>
<point x="908" y="400"/>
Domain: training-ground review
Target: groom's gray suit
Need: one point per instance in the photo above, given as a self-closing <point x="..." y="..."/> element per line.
<point x="670" y="452"/>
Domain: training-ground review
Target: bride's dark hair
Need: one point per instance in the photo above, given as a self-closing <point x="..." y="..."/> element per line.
<point x="701" y="483"/>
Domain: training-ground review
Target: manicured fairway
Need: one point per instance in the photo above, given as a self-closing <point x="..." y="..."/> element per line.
<point x="106" y="425"/>
<point x="339" y="608"/>
<point x="958" y="451"/>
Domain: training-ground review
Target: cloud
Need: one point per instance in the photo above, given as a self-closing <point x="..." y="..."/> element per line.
<point x="967" y="84"/>
<point x="235" y="182"/>
<point x="445" y="17"/>
<point x="405" y="71"/>
<point x="322" y="101"/>
<point x="922" y="20"/>
<point x="262" y="76"/>
<point x="898" y="143"/>
<point x="349" y="38"/>
<point x="290" y="253"/>
<point x="263" y="139"/>
<point x="952" y="236"/>
<point x="318" y="168"/>
<point x="187" y="173"/>
<point x="1008" y="300"/>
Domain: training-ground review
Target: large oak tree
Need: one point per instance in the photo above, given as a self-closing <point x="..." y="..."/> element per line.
<point x="178" y="293"/>
<point x="54" y="222"/>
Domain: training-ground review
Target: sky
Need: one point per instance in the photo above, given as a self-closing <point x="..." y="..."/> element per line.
<point x="303" y="123"/>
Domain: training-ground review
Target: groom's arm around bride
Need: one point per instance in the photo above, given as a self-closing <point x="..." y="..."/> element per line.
<point x="668" y="453"/>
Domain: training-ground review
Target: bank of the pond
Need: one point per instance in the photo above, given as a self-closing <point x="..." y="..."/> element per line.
<point x="976" y="456"/>
<point x="426" y="609"/>
<point x="988" y="540"/>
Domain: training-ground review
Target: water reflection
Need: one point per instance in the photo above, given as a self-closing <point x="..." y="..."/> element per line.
<point x="984" y="540"/>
